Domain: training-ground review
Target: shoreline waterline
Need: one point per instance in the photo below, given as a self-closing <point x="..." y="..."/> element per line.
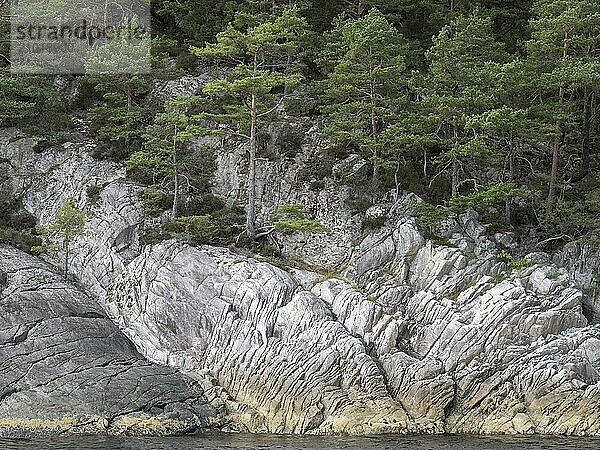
<point x="229" y="441"/>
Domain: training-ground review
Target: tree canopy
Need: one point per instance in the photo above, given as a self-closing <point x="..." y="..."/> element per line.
<point x="485" y="104"/>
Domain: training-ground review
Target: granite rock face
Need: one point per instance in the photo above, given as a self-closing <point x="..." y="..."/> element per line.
<point x="403" y="336"/>
<point x="582" y="261"/>
<point x="439" y="346"/>
<point x="66" y="368"/>
<point x="276" y="348"/>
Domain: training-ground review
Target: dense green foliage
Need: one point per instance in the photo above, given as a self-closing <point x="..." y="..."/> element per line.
<point x="485" y="104"/>
<point x="32" y="103"/>
<point x="263" y="72"/>
<point x="166" y="157"/>
<point x="365" y="85"/>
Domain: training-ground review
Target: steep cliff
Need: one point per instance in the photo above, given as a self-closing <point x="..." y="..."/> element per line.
<point x="404" y="336"/>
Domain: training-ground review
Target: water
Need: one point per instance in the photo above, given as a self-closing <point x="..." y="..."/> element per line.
<point x="264" y="442"/>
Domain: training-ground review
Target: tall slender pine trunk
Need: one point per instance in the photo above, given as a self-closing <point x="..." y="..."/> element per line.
<point x="250" y="213"/>
<point x="175" y="206"/>
<point x="585" y="132"/>
<point x="557" y="141"/>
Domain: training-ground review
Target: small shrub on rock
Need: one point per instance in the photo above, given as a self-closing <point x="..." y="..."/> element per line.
<point x="504" y="257"/>
<point x="293" y="217"/>
<point x="198" y="230"/>
<point x="155" y="201"/>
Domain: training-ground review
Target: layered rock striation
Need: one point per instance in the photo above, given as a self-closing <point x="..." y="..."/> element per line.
<point x="403" y="336"/>
<point x="66" y="368"/>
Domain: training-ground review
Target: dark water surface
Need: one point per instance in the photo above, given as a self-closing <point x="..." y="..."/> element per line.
<point x="263" y="442"/>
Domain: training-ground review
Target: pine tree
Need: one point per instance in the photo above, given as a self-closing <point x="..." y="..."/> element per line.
<point x="117" y="70"/>
<point x="250" y="13"/>
<point x="165" y="155"/>
<point x="365" y="60"/>
<point x="460" y="84"/>
<point x="32" y="103"/>
<point x="69" y="224"/>
<point x="257" y="83"/>
<point x="197" y="20"/>
<point x="504" y="129"/>
<point x="121" y="115"/>
<point x="28" y="101"/>
<point x="510" y="21"/>
<point x="564" y="48"/>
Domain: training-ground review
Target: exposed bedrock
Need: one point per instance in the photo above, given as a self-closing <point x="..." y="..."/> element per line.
<point x="66" y="368"/>
<point x="274" y="346"/>
<point x="404" y="336"/>
<point x="582" y="261"/>
<point x="440" y="346"/>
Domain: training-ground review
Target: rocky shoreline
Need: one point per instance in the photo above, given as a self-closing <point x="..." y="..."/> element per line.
<point x="66" y="368"/>
<point x="405" y="336"/>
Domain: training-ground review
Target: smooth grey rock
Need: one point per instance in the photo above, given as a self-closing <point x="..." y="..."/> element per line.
<point x="275" y="347"/>
<point x="66" y="368"/>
